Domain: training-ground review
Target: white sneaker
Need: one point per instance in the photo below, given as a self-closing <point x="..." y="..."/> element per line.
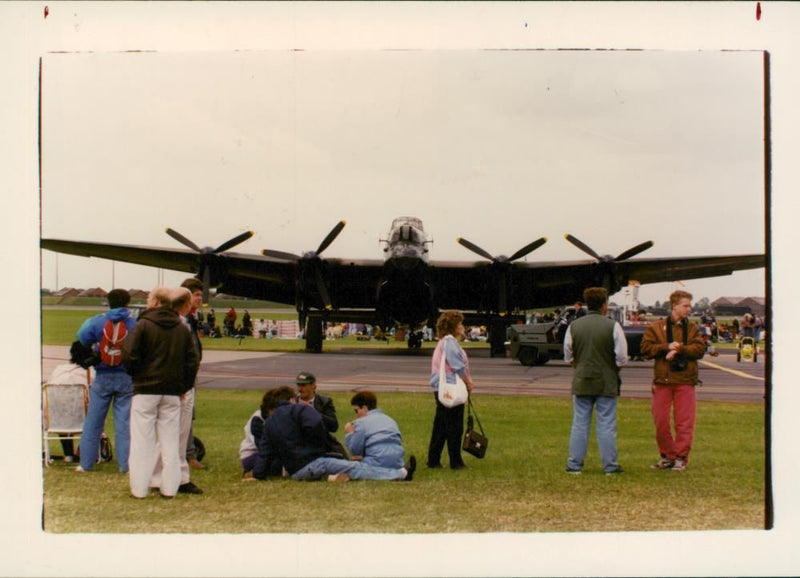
<point x="679" y="465"/>
<point x="338" y="478"/>
<point x="69" y="459"/>
<point x="663" y="464"/>
<point x="79" y="469"/>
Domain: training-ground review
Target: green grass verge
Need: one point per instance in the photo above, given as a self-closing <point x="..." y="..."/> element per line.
<point x="519" y="487"/>
<point x="60" y="326"/>
<point x="216" y="303"/>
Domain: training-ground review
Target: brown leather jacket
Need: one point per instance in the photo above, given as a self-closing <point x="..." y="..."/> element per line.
<point x="655" y="346"/>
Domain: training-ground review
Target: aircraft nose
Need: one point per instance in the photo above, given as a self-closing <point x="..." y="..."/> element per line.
<point x="407" y="262"/>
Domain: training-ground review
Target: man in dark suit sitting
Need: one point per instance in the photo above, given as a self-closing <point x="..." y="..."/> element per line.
<point x="307" y="388"/>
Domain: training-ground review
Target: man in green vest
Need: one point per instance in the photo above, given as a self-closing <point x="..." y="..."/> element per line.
<point x="596" y="347"/>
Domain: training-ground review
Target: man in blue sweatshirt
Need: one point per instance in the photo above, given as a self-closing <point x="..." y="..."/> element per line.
<point x="111" y="383"/>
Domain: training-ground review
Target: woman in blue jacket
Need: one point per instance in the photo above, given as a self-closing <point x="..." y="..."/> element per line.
<point x="373" y="438"/>
<point x="448" y="424"/>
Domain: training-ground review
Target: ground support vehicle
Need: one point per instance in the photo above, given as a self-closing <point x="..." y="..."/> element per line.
<point x="539" y="343"/>
<point x="747" y="350"/>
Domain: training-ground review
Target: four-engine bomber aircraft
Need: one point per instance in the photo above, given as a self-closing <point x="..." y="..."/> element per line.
<point x="406" y="288"/>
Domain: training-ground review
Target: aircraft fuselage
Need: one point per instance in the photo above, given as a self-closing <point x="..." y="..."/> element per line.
<point x="405" y="295"/>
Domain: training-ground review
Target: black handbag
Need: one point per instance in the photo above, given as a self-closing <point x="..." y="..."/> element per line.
<point x="474" y="443"/>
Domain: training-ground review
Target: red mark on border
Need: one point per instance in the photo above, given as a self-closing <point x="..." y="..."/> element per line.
<point x="46" y="11"/>
<point x="758" y="10"/>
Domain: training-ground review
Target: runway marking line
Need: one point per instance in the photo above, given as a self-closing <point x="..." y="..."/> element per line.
<point x="732" y="371"/>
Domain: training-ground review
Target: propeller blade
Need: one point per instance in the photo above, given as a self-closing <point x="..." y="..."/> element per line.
<point x="233" y="242"/>
<point x="582" y="246"/>
<point x="323" y="291"/>
<point x="331" y="236"/>
<point x="182" y="240"/>
<point x="634" y="251"/>
<point x="527" y="249"/>
<point x="206" y="284"/>
<point x="474" y="248"/>
<point x="280" y="255"/>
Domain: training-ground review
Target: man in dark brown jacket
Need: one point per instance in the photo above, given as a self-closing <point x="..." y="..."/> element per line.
<point x="675" y="345"/>
<point x="163" y="361"/>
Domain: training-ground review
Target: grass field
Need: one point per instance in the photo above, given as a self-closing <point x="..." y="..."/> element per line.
<point x="217" y="303"/>
<point x="519" y="487"/>
<point x="59" y="327"/>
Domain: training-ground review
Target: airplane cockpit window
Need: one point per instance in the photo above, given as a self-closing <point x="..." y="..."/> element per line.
<point x="405" y="231"/>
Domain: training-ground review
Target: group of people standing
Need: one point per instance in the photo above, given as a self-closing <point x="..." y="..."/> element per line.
<point x="151" y="387"/>
<point x="596" y="346"/>
<point x="292" y="433"/>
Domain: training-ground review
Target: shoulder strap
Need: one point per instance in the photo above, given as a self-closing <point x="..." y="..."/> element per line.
<point x="471" y="411"/>
<point x="443" y="360"/>
<point x="684" y="327"/>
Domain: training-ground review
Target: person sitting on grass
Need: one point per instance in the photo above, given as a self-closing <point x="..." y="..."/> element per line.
<point x="306" y="384"/>
<point x="253" y="429"/>
<point x="374" y="438"/>
<point x="295" y="440"/>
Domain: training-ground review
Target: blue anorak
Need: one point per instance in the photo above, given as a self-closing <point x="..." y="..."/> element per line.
<point x="91" y="333"/>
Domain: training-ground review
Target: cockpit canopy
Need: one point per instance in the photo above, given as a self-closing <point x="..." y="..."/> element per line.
<point x="407" y="238"/>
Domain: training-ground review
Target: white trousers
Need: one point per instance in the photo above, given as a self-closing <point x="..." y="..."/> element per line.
<point x="187" y="408"/>
<point x="155" y="432"/>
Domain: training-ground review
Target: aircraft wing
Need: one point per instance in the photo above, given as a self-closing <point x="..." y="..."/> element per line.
<point x="465" y="285"/>
<point x="470" y="285"/>
<point x="680" y="269"/>
<point x="351" y="283"/>
<point x="174" y="259"/>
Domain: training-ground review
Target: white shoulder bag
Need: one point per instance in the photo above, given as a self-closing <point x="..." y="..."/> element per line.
<point x="451" y="394"/>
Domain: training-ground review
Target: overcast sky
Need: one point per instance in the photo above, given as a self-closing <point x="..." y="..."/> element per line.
<point x="500" y="147"/>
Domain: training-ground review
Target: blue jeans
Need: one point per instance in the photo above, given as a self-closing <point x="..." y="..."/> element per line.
<point x="324" y="466"/>
<point x="605" y="428"/>
<point x="113" y="386"/>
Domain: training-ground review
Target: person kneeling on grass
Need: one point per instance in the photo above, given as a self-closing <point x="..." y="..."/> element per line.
<point x="374" y="438"/>
<point x="295" y="440"/>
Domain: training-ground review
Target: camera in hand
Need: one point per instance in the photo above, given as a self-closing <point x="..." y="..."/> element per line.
<point x="679" y="363"/>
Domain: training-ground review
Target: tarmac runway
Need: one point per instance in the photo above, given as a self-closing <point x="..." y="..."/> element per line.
<point x="400" y="370"/>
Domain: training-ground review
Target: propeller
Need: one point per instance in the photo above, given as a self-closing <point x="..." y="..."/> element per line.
<point x="607" y="263"/>
<point x="208" y="256"/>
<point x="310" y="265"/>
<point x="501" y="266"/>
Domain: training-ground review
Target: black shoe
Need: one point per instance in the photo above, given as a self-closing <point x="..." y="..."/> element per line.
<point x="615" y="471"/>
<point x="189" y="488"/>
<point x="461" y="466"/>
<point x="411" y="467"/>
<point x="434" y="466"/>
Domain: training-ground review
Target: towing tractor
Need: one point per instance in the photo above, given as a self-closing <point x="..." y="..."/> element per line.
<point x="539" y="343"/>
